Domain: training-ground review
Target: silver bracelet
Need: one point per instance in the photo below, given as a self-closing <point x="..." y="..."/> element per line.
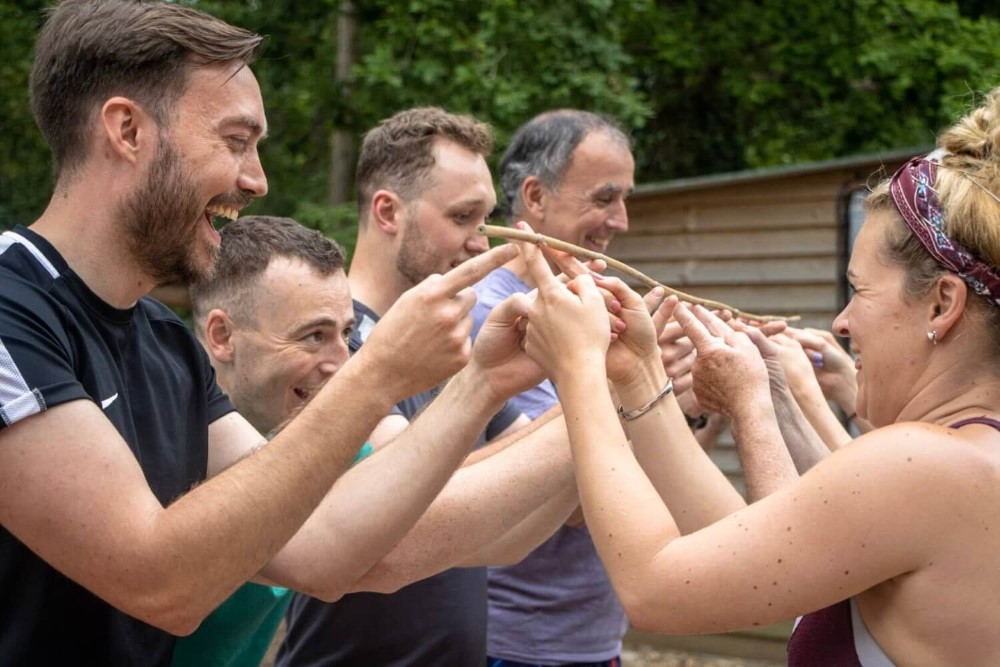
<point x="643" y="409"/>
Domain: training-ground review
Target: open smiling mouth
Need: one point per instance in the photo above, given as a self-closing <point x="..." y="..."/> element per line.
<point x="217" y="214"/>
<point x="598" y="243"/>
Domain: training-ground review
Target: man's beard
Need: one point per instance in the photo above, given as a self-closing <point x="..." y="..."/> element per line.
<point x="161" y="222"/>
<point x="417" y="258"/>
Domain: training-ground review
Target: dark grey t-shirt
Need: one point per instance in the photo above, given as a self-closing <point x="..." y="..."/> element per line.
<point x="440" y="620"/>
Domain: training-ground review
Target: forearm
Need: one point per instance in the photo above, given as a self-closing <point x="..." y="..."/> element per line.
<point x="501" y="443"/>
<point x="480" y="503"/>
<point x="824" y="422"/>
<point x="805" y="444"/>
<point x="767" y="464"/>
<point x="217" y="536"/>
<point x="390" y="491"/>
<point x="626" y="517"/>
<point x="687" y="480"/>
<point x="529" y="534"/>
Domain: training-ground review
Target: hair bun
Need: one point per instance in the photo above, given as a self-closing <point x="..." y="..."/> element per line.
<point x="977" y="135"/>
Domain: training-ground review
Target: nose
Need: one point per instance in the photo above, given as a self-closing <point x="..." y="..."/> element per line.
<point x="619" y="218"/>
<point x="334" y="357"/>
<point x="840" y="323"/>
<point x="477" y="243"/>
<point x="252" y="178"/>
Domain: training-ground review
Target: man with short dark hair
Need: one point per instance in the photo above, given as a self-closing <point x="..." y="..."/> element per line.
<point x="133" y="500"/>
<point x="424" y="186"/>
<point x="276" y="320"/>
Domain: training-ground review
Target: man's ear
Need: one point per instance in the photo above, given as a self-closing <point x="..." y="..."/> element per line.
<point x="949" y="299"/>
<point x="386" y="211"/>
<point x="126" y="129"/>
<point x="217" y="336"/>
<point x="533" y="198"/>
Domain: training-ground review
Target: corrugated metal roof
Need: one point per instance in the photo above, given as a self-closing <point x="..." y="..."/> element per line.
<point x="764" y="173"/>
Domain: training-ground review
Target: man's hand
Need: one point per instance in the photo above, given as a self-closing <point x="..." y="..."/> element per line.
<point x="424" y="338"/>
<point x="499" y="353"/>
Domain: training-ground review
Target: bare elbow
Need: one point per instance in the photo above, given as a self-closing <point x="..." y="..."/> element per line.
<point x="381" y="580"/>
<point x="642" y="612"/>
<point x="167" y="611"/>
<point x="326" y="594"/>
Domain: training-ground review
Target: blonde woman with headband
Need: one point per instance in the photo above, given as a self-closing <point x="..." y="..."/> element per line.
<point x="887" y="549"/>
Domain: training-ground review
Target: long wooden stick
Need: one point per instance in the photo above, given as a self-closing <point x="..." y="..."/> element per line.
<point x="496" y="231"/>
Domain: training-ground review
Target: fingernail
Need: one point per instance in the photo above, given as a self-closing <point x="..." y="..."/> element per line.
<point x="615" y="306"/>
<point x="596" y="276"/>
<point x="620" y="325"/>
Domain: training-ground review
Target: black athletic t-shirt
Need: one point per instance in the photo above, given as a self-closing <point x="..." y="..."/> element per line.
<point x="60" y="342"/>
<point x="438" y="621"/>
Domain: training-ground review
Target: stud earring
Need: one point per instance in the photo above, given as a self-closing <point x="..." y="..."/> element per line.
<point x="932" y="336"/>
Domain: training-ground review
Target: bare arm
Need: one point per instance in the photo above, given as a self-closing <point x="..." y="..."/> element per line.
<point x="334" y="550"/>
<point x="479" y="504"/>
<point x="529" y="534"/>
<point x="858" y="519"/>
<point x="664" y="446"/>
<point x="72" y="491"/>
<point x="392" y="489"/>
<point x="802" y="382"/>
<point x="731" y="377"/>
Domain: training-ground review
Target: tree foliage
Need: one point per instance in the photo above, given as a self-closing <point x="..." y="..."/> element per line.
<point x="705" y="85"/>
<point x="771" y="82"/>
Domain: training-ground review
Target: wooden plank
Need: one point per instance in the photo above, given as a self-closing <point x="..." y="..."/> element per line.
<point x="785" y="270"/>
<point x="760" y="244"/>
<point x="721" y="216"/>
<point x="814" y="302"/>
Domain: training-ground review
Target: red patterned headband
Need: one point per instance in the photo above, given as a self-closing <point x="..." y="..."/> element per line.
<point x="912" y="188"/>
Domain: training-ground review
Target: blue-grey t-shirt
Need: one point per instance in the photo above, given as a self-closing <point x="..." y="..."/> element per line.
<point x="556" y="605"/>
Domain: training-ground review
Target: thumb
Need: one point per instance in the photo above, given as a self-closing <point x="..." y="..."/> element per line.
<point x="510" y="309"/>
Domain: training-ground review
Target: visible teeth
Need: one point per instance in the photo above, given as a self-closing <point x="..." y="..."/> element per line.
<point x="223" y="211"/>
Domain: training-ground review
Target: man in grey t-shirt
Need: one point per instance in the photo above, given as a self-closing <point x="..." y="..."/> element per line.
<point x="567" y="173"/>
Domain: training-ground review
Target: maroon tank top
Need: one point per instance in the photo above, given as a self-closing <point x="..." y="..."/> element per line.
<point x="827" y="637"/>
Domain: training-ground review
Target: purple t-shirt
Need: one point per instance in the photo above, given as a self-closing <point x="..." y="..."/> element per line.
<point x="556" y="605"/>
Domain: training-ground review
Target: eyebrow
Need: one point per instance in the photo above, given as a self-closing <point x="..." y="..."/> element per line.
<point x="248" y="122"/>
<point x="322" y="321"/>
<point x="611" y="189"/>
<point x="465" y="203"/>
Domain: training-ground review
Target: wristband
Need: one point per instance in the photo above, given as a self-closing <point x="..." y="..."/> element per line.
<point x="643" y="409"/>
<point x="695" y="423"/>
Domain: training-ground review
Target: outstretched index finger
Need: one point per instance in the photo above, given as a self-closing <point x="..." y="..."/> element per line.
<point x="471" y="271"/>
<point x="693" y="327"/>
<point x="713" y="322"/>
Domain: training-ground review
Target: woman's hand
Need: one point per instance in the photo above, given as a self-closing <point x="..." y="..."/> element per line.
<point x="567" y="325"/>
<point x="833" y="366"/>
<point x="729" y="373"/>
